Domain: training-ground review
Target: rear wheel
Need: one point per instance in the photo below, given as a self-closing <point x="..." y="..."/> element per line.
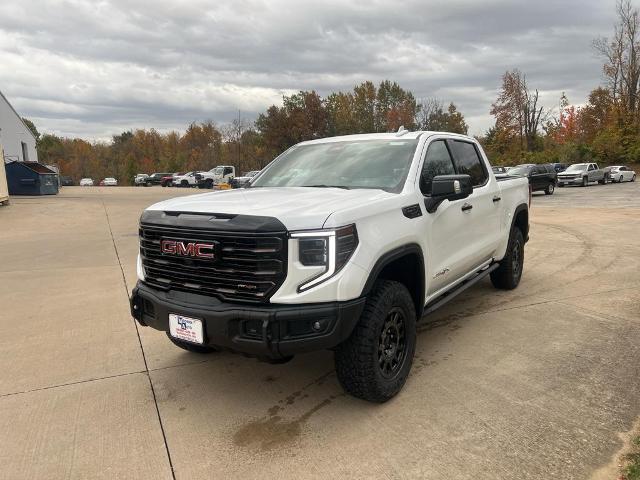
<point x="549" y="190"/>
<point x="374" y="362"/>
<point x="507" y="275"/>
<point x="191" y="347"/>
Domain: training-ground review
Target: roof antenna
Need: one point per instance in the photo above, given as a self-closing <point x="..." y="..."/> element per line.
<point x="401" y="131"/>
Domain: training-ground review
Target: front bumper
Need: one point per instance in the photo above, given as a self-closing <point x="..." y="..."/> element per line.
<point x="570" y="181"/>
<point x="267" y="330"/>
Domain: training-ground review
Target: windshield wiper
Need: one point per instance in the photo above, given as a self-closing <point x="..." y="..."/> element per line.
<point x="328" y="186"/>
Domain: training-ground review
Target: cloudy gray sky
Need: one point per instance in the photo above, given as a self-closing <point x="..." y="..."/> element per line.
<point x="94" y="68"/>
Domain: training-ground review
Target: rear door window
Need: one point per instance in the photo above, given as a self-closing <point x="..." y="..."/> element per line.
<point x="468" y="162"/>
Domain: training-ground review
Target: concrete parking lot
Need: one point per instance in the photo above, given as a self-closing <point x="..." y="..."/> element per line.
<point x="540" y="382"/>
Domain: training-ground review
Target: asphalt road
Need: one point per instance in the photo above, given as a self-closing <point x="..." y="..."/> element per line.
<point x="535" y="383"/>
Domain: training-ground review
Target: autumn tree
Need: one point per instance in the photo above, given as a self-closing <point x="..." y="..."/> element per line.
<point x="622" y="61"/>
<point x="517" y="111"/>
<point x="395" y="107"/>
<point x="433" y="116"/>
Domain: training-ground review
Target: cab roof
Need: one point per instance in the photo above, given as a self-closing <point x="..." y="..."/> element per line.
<point x="385" y="136"/>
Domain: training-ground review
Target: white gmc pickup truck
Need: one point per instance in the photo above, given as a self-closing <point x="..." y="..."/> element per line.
<point x="341" y="243"/>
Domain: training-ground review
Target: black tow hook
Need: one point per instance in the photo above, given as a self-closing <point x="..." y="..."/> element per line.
<point x="137" y="308"/>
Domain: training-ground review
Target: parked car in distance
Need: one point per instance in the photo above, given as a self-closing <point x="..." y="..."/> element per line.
<point x="498" y="169"/>
<point x="156" y="178"/>
<point x="186" y="180"/>
<point x="355" y="238"/>
<point x="66" y="181"/>
<point x="167" y="181"/>
<point x="86" y="182"/>
<point x="109" y="182"/>
<point x="140" y="180"/>
<point x="215" y="176"/>
<point x="581" y="174"/>
<point x="620" y="173"/>
<point x="559" y="167"/>
<point x="244" y="179"/>
<point x="542" y="178"/>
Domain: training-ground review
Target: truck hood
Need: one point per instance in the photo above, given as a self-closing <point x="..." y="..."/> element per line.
<point x="298" y="208"/>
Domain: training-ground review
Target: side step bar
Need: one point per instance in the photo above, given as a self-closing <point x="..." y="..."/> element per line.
<point x="451" y="294"/>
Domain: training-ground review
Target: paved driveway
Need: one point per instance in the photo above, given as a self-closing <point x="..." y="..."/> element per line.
<point x="533" y="383"/>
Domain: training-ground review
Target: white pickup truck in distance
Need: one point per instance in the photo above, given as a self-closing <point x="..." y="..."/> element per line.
<point x="581" y="174"/>
<point x="216" y="176"/>
<point x="341" y="243"/>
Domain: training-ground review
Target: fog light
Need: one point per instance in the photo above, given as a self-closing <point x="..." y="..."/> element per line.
<point x="316" y="326"/>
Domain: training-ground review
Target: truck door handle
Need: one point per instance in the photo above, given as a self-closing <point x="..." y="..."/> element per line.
<point x="496" y="199"/>
<point x="466" y="207"/>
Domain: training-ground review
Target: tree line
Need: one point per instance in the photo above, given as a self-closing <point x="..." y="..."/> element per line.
<point x="605" y="129"/>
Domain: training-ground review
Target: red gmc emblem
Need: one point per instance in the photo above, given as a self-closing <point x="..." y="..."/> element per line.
<point x="188" y="249"/>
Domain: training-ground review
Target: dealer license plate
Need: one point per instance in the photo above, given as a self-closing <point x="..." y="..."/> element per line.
<point x="185" y="328"/>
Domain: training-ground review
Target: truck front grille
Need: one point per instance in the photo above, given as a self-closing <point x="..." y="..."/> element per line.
<point x="248" y="266"/>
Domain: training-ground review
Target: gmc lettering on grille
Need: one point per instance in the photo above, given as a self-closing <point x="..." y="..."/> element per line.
<point x="188" y="249"/>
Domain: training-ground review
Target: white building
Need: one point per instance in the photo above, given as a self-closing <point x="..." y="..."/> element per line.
<point x="15" y="137"/>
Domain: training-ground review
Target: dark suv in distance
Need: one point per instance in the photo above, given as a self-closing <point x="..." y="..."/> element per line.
<point x="542" y="178"/>
<point x="156" y="178"/>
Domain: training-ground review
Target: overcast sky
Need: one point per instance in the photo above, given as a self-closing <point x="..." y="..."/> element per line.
<point x="93" y="68"/>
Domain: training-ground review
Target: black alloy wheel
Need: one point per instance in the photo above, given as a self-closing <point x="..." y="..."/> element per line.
<point x="392" y="345"/>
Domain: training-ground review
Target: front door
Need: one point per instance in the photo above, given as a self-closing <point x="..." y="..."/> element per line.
<point x="461" y="233"/>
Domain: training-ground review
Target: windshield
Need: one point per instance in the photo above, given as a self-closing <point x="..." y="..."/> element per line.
<point x="376" y="164"/>
<point x="578" y="167"/>
<point x="520" y="170"/>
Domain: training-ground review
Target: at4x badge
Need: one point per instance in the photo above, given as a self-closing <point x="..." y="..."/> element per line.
<point x="442" y="272"/>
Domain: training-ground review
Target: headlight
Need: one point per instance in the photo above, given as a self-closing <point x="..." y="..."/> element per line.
<point x="330" y="249"/>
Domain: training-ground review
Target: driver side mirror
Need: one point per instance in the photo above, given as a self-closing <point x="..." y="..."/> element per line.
<point x="448" y="187"/>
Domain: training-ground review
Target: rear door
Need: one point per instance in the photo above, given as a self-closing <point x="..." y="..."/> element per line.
<point x="481" y="210"/>
<point x="538" y="177"/>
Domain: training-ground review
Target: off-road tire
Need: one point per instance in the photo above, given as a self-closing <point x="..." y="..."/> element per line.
<point x="191" y="347"/>
<point x="507" y="275"/>
<point x="208" y="183"/>
<point x="358" y="359"/>
<point x="549" y="190"/>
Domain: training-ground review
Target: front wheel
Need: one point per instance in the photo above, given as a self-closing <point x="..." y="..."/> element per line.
<point x="507" y="275"/>
<point x="585" y="181"/>
<point x="374" y="362"/>
<point x="549" y="190"/>
<point x="191" y="347"/>
<point x="633" y="179"/>
<point x="620" y="179"/>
